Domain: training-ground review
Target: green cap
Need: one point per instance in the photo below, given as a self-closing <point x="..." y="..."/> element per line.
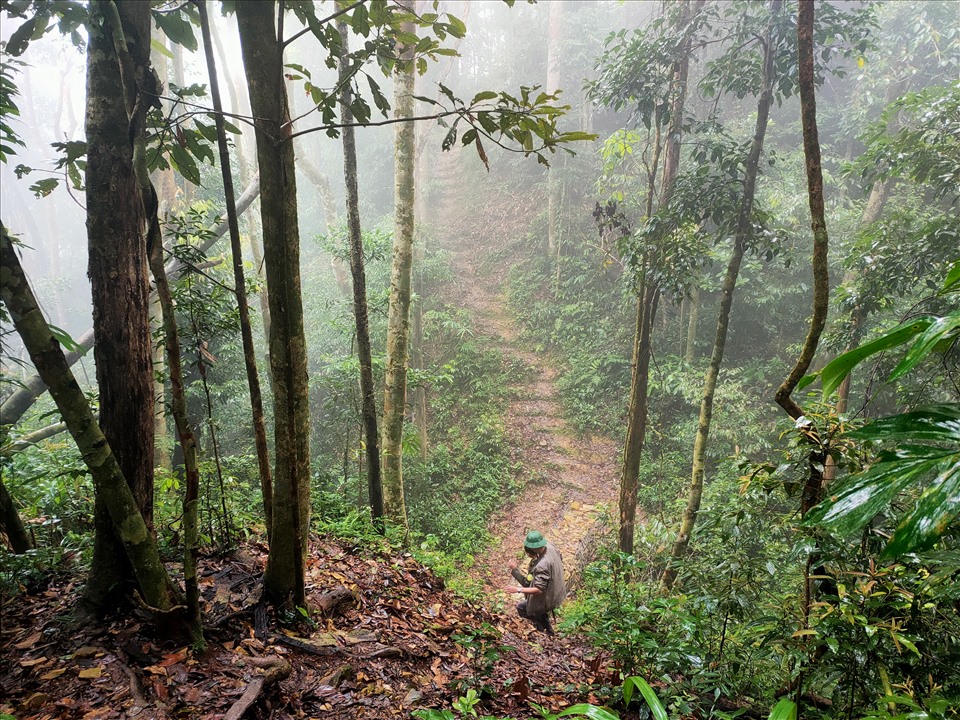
<point x="535" y="540"/>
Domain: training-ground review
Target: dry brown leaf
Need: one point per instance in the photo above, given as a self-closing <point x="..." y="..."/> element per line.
<point x="91" y="673"/>
<point x="33" y="662"/>
<point x="53" y="674"/>
<point x="29" y="642"/>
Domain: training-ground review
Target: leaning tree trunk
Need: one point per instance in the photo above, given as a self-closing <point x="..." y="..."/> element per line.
<point x="743" y="234"/>
<point x="398" y="317"/>
<point x="112" y="489"/>
<point x="262" y="59"/>
<point x="239" y="281"/>
<point x="19" y="402"/>
<point x="119" y="283"/>
<point x="360" y="314"/>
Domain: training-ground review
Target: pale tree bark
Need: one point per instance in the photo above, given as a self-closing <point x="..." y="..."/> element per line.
<point x="398" y="316"/>
<point x="360" y="314"/>
<point x="112" y="489"/>
<point x="743" y="234"/>
<point x="690" y="349"/>
<point x="239" y="281"/>
<point x="119" y="282"/>
<point x="554" y="51"/>
<point x="262" y="59"/>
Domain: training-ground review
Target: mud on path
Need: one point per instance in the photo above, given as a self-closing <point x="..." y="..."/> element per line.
<point x="572" y="478"/>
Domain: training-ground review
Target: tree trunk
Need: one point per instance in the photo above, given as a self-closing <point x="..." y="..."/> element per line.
<point x="262" y="59"/>
<point x="111" y="487"/>
<point x="690" y="351"/>
<point x="743" y="233"/>
<point x="398" y="317"/>
<point x="20" y="401"/>
<point x="119" y="283"/>
<point x="360" y="314"/>
<point x="188" y="440"/>
<point x="821" y="278"/>
<point x="637" y="415"/>
<point x="239" y="281"/>
<point x="554" y="51"/>
<point x="10" y="523"/>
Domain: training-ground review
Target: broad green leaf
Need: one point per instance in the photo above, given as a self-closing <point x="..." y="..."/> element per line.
<point x="21" y="36"/>
<point x="866" y="494"/>
<point x="836" y="370"/>
<point x="786" y="709"/>
<point x="953" y="278"/>
<point x="941" y="329"/>
<point x="161" y="48"/>
<point x="591" y="711"/>
<point x="481" y="96"/>
<point x="939" y="423"/>
<point x="177" y="27"/>
<point x="653" y="702"/>
<point x="937" y="508"/>
<point x="63" y="337"/>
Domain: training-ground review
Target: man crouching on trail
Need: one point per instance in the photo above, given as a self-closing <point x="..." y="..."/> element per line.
<point x="543" y="585"/>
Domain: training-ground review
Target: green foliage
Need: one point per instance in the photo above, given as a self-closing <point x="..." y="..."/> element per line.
<point x="8" y="108"/>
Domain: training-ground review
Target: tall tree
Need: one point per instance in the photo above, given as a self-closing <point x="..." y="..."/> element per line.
<point x="262" y="51"/>
<point x="554" y="52"/>
<point x="113" y="491"/>
<point x="360" y="314"/>
<point x="744" y="231"/>
<point x="398" y="318"/>
<point x="239" y="281"/>
<point x="119" y="278"/>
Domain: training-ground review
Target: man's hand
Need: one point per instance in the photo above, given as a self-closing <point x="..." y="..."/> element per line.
<point x="511" y="589"/>
<point x="512" y="564"/>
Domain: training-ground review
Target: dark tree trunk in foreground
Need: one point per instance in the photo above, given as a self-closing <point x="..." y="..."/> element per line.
<point x="136" y="540"/>
<point x="742" y="236"/>
<point x="10" y="523"/>
<point x="120" y="285"/>
<point x="240" y="286"/>
<point x="262" y="59"/>
<point x="367" y="389"/>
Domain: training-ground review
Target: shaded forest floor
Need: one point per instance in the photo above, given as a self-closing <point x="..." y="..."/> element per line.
<point x="397" y="640"/>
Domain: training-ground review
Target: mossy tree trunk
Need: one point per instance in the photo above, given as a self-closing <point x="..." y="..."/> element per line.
<point x="119" y="282"/>
<point x="398" y="316"/>
<point x="112" y="489"/>
<point x="263" y="62"/>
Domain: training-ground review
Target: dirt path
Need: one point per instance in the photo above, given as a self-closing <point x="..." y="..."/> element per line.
<point x="574" y="478"/>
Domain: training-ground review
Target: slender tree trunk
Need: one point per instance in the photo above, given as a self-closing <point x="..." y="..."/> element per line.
<point x="554" y="51"/>
<point x="360" y="314"/>
<point x="262" y="58"/>
<point x="119" y="282"/>
<point x="647" y="301"/>
<point x="690" y="350"/>
<point x="188" y="440"/>
<point x="821" y="277"/>
<point x="239" y="281"/>
<point x="743" y="234"/>
<point x="111" y="487"/>
<point x="398" y="317"/>
<point x="10" y="523"/>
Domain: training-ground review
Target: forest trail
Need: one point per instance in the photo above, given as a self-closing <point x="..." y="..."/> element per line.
<point x="572" y="479"/>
